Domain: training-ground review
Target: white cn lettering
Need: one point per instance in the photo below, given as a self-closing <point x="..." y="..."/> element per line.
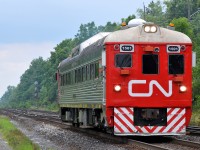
<point x="152" y="82"/>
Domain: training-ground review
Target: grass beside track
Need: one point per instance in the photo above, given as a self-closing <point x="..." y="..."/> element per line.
<point x="15" y="138"/>
<point x="195" y="120"/>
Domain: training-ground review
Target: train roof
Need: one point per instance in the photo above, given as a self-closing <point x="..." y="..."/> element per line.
<point x="132" y="34"/>
<point x="137" y="34"/>
<point x="84" y="45"/>
<point x="93" y="39"/>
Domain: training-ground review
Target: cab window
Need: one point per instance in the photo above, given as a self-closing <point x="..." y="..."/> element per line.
<point x="123" y="60"/>
<point x="150" y="64"/>
<point x="176" y="64"/>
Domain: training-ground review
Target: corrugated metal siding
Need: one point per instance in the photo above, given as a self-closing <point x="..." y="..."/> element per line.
<point x="85" y="92"/>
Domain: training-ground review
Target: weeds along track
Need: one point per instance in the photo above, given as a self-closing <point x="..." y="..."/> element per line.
<point x="158" y="143"/>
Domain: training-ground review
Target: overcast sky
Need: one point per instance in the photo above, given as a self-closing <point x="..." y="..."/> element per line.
<point x="32" y="28"/>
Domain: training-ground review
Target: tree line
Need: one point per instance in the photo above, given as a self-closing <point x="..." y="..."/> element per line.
<point x="38" y="87"/>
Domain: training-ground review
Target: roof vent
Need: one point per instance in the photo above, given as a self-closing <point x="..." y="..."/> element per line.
<point x="136" y="22"/>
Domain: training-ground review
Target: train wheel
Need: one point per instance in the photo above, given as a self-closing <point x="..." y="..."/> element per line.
<point x="76" y="125"/>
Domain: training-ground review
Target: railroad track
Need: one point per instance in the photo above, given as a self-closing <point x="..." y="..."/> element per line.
<point x="53" y="118"/>
<point x="164" y="142"/>
<point x="194" y="130"/>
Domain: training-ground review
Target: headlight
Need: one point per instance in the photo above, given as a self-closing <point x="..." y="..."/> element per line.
<point x="153" y="29"/>
<point x="150" y="28"/>
<point x="117" y="88"/>
<point x="147" y="28"/>
<point x="183" y="88"/>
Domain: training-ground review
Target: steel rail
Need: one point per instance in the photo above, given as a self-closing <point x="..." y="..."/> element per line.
<point x="145" y="145"/>
<point x="186" y="143"/>
<point x="194" y="130"/>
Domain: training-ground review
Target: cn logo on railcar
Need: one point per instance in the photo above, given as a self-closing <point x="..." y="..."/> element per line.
<point x="151" y="83"/>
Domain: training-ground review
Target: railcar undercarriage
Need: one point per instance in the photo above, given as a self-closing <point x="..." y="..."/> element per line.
<point x="83" y="117"/>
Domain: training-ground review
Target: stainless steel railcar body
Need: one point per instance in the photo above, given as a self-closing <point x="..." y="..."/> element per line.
<point x="81" y="83"/>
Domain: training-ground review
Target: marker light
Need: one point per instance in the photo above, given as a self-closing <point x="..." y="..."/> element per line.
<point x="123" y="24"/>
<point x="171" y="25"/>
<point x="183" y="48"/>
<point x="183" y="88"/>
<point x="116" y="46"/>
<point x="117" y="88"/>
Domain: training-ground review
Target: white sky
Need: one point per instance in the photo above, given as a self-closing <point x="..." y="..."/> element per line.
<point x="32" y="28"/>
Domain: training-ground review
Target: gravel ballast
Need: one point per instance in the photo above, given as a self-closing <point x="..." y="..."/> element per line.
<point x="54" y="138"/>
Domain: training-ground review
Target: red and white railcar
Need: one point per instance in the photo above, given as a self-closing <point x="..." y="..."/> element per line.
<point x="148" y="81"/>
<point x="136" y="81"/>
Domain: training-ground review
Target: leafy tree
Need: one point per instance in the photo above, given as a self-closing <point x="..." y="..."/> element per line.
<point x="176" y="8"/>
<point x="62" y="51"/>
<point x="153" y="13"/>
<point x="196" y="70"/>
<point x="7" y="95"/>
<point x="128" y="18"/>
<point x="181" y="8"/>
<point x="35" y="73"/>
<point x="109" y="27"/>
<point x="184" y="26"/>
<point x="86" y="31"/>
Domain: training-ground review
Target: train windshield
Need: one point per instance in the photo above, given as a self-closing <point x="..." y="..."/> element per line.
<point x="150" y="64"/>
<point x="123" y="60"/>
<point x="176" y="64"/>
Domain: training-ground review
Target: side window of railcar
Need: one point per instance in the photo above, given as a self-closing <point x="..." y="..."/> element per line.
<point x="96" y="70"/>
<point x="87" y="73"/>
<point x="123" y="60"/>
<point x="62" y="80"/>
<point x="73" y="77"/>
<point x="79" y="75"/>
<point x="76" y="76"/>
<point x="68" y="78"/>
<point x="91" y="71"/>
<point x="150" y="64"/>
<point x="176" y="64"/>
<point x="84" y="73"/>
